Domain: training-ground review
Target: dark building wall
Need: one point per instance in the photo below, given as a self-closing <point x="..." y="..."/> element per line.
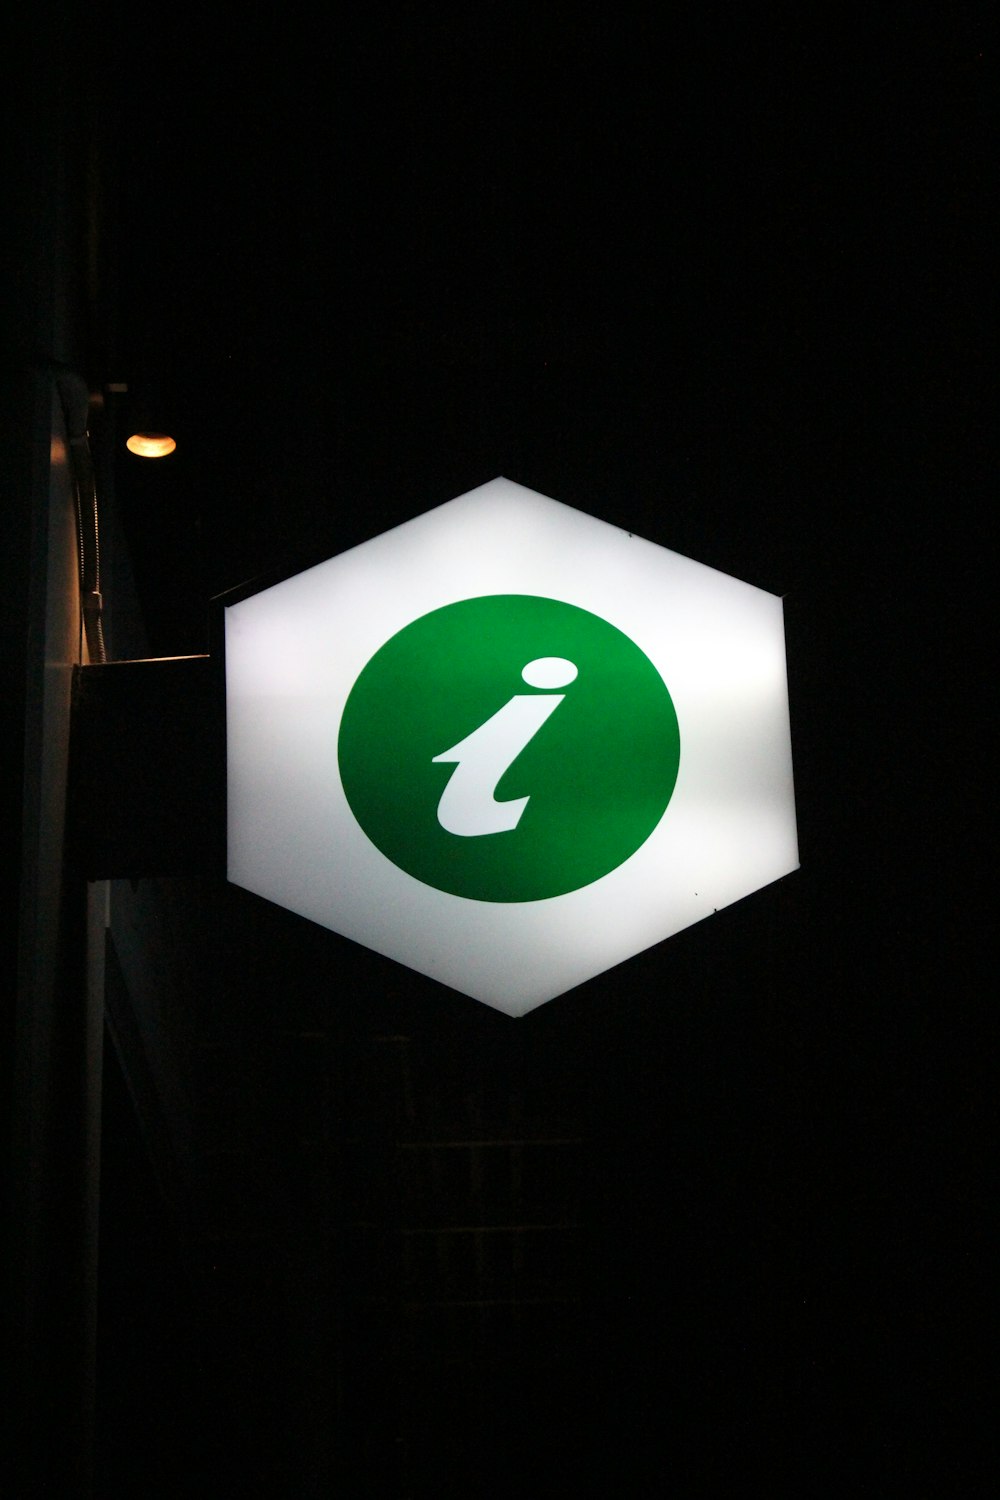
<point x="680" y="1225"/>
<point x="53" y="927"/>
<point x="56" y="1034"/>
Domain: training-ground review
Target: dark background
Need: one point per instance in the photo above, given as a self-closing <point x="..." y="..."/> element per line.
<point x="714" y="277"/>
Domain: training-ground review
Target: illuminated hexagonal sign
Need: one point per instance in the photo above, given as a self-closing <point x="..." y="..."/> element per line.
<point x="508" y="744"/>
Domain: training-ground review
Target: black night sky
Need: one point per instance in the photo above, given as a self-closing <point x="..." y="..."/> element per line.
<point x="709" y="275"/>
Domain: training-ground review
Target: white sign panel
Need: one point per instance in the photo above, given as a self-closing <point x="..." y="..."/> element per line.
<point x="508" y="745"/>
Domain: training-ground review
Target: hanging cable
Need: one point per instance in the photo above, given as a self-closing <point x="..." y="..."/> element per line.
<point x="75" y="401"/>
<point x="91" y="599"/>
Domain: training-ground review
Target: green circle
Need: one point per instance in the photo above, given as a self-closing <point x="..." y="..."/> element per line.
<point x="598" y="773"/>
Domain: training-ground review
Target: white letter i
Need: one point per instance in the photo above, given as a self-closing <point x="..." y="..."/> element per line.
<point x="468" y="806"/>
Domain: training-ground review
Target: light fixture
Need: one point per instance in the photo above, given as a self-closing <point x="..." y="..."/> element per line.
<point x="150" y="444"/>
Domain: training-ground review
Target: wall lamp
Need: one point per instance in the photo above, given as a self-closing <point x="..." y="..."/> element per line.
<point x="150" y="444"/>
<point x="146" y="439"/>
